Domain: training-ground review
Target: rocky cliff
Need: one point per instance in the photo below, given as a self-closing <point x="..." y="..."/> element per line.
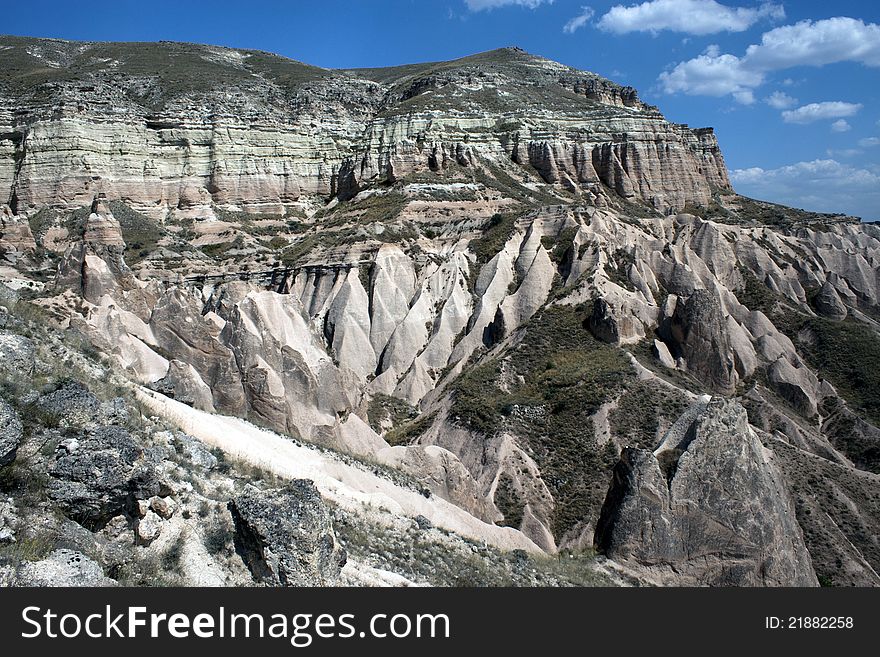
<point x="138" y="123"/>
<point x="510" y="290"/>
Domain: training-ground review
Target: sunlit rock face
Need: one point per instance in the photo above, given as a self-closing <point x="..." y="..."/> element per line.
<point x="268" y="131"/>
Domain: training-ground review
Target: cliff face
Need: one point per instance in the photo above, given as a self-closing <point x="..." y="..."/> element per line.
<point x="137" y="122"/>
<point x="707" y="509"/>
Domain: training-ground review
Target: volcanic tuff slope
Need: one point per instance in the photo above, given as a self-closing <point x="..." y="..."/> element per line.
<point x="508" y="287"/>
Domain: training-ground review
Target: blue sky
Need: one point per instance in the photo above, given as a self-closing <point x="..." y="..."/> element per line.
<point x="792" y="88"/>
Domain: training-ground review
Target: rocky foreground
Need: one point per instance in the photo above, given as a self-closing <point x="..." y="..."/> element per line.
<point x="497" y="320"/>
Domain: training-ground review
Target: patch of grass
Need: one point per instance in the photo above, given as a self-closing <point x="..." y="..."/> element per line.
<point x="563" y="376"/>
<point x="221" y="249"/>
<point x="385" y="409"/>
<point x="406" y="433"/>
<point x="30" y="546"/>
<point x="218" y="539"/>
<point x="509" y="502"/>
<point x="618" y="268"/>
<point x="560" y="245"/>
<point x="847" y="353"/>
<point x="296" y="252"/>
<point x="140" y="233"/>
<point x="435" y="557"/>
<point x="643" y="412"/>
<point x="498" y="232"/>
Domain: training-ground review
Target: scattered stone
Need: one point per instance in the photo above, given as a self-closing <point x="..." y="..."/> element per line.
<point x="8" y="521"/>
<point x="149" y="527"/>
<point x="286" y="536"/>
<point x="164" y="506"/>
<point x="196" y="451"/>
<point x="116" y="528"/>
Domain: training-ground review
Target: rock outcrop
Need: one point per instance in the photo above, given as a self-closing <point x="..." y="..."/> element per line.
<point x="16" y="354"/>
<point x="321" y="132"/>
<point x="63" y="567"/>
<point x="16" y="239"/>
<point x="100" y="473"/>
<point x="696" y="332"/>
<point x="10" y="433"/>
<point x="712" y="510"/>
<point x="286" y="537"/>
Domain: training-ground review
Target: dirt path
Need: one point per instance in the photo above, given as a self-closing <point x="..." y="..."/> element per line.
<point x="348" y="486"/>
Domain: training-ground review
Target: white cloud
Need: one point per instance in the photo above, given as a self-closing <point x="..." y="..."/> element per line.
<point x="809" y="43"/>
<point x="689" y="16"/>
<point x="868" y="142"/>
<point x="745" y="97"/>
<point x="481" y="5"/>
<point x="579" y="21"/>
<point x="711" y="74"/>
<point x="840" y="126"/>
<point x="806" y="43"/>
<point x="818" y="111"/>
<point x="780" y="100"/>
<point x="820" y="185"/>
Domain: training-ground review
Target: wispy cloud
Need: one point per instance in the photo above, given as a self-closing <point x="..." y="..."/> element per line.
<point x="696" y="17"/>
<point x="711" y="74"/>
<point x="841" y="125"/>
<point x="485" y="5"/>
<point x="819" y="185"/>
<point x="579" y="21"/>
<point x="780" y="100"/>
<point x="806" y="43"/>
<point x="818" y="111"/>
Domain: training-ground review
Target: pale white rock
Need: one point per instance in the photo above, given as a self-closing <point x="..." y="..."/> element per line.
<point x="661" y="351"/>
<point x="149" y="527"/>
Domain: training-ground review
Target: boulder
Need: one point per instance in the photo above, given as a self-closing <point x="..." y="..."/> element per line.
<point x="17" y="354"/>
<point x="661" y="353"/>
<point x="712" y="510"/>
<point x="196" y="451"/>
<point x="183" y="383"/>
<point x="797" y="385"/>
<point x="829" y="304"/>
<point x="10" y="433"/>
<point x="163" y="506"/>
<point x="72" y="405"/>
<point x="286" y="536"/>
<point x="62" y="568"/>
<point x="148" y="528"/>
<point x="102" y="476"/>
<point x="612" y="325"/>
